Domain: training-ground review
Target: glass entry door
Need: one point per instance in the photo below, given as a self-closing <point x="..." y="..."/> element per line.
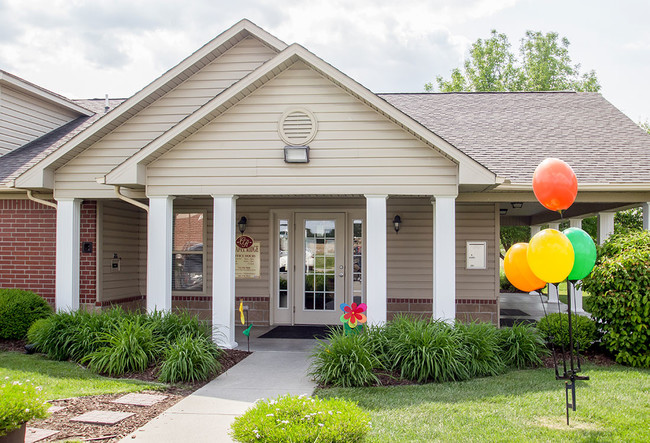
<point x="320" y="267"/>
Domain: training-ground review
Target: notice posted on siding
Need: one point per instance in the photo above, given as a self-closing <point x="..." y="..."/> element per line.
<point x="247" y="261"/>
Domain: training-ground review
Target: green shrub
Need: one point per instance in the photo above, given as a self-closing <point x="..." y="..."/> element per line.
<point x="302" y="419"/>
<point x="172" y="326"/>
<point x="426" y="350"/>
<point x="345" y="360"/>
<point x="190" y="359"/>
<point x="620" y="291"/>
<point x="20" y="402"/>
<point x="555" y="328"/>
<point x="18" y="310"/>
<point x="481" y="349"/>
<point x="130" y="347"/>
<point x="521" y="346"/>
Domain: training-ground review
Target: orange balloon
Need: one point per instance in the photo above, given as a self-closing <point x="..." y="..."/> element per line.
<point x="517" y="270"/>
<point x="555" y="184"/>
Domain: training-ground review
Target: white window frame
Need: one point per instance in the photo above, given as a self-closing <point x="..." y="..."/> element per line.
<point x="203" y="252"/>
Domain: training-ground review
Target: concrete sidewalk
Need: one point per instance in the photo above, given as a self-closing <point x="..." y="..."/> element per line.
<point x="276" y="367"/>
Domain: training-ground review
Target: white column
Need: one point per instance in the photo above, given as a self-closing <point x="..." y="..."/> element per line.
<point x="576" y="223"/>
<point x="534" y="229"/>
<point x="376" y="258"/>
<point x="555" y="226"/>
<point x="646" y="215"/>
<point x="552" y="293"/>
<point x="223" y="271"/>
<point x="444" y="258"/>
<point x="159" y="253"/>
<point x="605" y="226"/>
<point x="68" y="218"/>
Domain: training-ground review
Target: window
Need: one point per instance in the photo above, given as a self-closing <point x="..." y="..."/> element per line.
<point x="188" y="252"/>
<point x="283" y="263"/>
<point x="357" y="261"/>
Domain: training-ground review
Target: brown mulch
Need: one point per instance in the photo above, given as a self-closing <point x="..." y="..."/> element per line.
<point x="60" y="421"/>
<point x="595" y="357"/>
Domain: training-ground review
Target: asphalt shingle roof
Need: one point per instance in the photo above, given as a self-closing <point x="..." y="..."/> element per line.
<point x="511" y="133"/>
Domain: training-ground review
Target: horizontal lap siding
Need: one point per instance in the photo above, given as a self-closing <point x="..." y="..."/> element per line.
<point x="79" y="174"/>
<point x="24" y="118"/>
<point x="356" y="150"/>
<point x="476" y="222"/>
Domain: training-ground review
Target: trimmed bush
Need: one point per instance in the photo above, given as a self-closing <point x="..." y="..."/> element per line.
<point x="481" y="349"/>
<point x="302" y="419"/>
<point x="345" y="360"/>
<point x="555" y="328"/>
<point x="190" y="359"/>
<point x="620" y="291"/>
<point x="171" y="327"/>
<point x="18" y="310"/>
<point x="20" y="402"/>
<point x="521" y="346"/>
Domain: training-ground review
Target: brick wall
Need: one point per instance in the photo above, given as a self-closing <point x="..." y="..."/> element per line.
<point x="27" y="247"/>
<point x="88" y="261"/>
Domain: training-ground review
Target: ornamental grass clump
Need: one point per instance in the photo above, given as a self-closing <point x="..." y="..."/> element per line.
<point x="302" y="419"/>
<point x="481" y="349"/>
<point x="190" y="359"/>
<point x="20" y="401"/>
<point x="521" y="346"/>
<point x="345" y="360"/>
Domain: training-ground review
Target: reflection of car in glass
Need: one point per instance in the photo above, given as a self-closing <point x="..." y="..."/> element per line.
<point x="190" y="269"/>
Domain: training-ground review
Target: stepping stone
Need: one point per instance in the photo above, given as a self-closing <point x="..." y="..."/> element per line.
<point x="36" y="434"/>
<point x="140" y="399"/>
<point x="55" y="409"/>
<point x="98" y="417"/>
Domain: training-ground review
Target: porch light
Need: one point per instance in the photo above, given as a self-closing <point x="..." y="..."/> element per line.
<point x="503" y="211"/>
<point x="517" y="205"/>
<point x="296" y="154"/>
<point x="397" y="221"/>
<point x="241" y="224"/>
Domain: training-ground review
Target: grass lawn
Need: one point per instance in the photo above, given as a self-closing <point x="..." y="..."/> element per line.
<point x="518" y="406"/>
<point x="64" y="379"/>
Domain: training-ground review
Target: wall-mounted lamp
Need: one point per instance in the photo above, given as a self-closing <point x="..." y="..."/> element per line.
<point x="296" y="154"/>
<point x="241" y="224"/>
<point x="517" y="205"/>
<point x="503" y="211"/>
<point x="397" y="221"/>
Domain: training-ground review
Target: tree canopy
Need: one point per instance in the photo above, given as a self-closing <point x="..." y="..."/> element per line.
<point x="544" y="64"/>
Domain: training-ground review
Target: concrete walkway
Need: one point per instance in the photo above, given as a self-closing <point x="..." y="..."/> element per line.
<point x="532" y="306"/>
<point x="276" y="367"/>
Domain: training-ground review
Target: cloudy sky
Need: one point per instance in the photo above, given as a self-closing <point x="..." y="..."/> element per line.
<point x="85" y="49"/>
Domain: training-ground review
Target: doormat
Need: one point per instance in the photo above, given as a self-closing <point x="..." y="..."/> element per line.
<point x="514" y="313"/>
<point x="509" y="322"/>
<point x="305" y="332"/>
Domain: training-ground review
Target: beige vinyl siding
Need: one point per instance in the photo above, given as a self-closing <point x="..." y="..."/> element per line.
<point x="124" y="234"/>
<point x="409" y="253"/>
<point x="24" y="118"/>
<point x="477" y="222"/>
<point x="356" y="150"/>
<point x="77" y="177"/>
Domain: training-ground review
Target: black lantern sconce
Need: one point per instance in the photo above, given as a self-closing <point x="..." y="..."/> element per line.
<point x="517" y="205"/>
<point x="241" y="224"/>
<point x="397" y="221"/>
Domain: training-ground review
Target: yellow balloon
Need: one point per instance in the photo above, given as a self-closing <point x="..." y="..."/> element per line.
<point x="550" y="255"/>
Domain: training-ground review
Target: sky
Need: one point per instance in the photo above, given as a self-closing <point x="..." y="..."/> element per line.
<point x="86" y="49"/>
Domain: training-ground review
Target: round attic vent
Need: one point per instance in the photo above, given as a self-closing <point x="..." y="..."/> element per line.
<point x="297" y="127"/>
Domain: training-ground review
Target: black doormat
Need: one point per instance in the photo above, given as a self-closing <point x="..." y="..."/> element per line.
<point x="514" y="313"/>
<point x="509" y="322"/>
<point x="306" y="332"/>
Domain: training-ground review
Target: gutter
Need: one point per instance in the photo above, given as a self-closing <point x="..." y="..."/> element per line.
<point x="129" y="200"/>
<point x="38" y="200"/>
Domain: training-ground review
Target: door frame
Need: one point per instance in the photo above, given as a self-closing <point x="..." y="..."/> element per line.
<point x="286" y="315"/>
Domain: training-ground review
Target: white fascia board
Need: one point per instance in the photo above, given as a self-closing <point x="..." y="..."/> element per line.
<point x="126" y="106"/>
<point x="586" y="187"/>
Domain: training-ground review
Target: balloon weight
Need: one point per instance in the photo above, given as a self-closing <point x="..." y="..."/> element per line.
<point x="555" y="184"/>
<point x="550" y="255"/>
<point x="517" y="270"/>
<point x="584" y="251"/>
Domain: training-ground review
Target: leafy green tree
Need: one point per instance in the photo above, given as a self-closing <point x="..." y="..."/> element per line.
<point x="644" y="125"/>
<point x="513" y="234"/>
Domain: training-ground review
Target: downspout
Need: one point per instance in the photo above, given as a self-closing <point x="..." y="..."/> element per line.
<point x="129" y="200"/>
<point x="38" y="200"/>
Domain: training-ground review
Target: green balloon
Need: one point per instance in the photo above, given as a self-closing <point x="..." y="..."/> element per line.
<point x="585" y="253"/>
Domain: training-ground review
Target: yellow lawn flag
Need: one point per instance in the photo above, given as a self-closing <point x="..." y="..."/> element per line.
<point x="241" y="312"/>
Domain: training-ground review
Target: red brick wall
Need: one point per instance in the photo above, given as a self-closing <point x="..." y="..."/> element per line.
<point x="27" y="247"/>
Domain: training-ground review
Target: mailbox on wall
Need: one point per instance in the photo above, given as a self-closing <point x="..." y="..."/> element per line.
<point x="476" y="253"/>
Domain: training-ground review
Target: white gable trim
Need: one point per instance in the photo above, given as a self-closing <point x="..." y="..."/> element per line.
<point x="39" y="177"/>
<point x="132" y="171"/>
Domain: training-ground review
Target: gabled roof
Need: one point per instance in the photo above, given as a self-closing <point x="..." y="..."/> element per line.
<point x="131" y="171"/>
<point x="38" y="176"/>
<point x="23" y="85"/>
<point x="511" y="133"/>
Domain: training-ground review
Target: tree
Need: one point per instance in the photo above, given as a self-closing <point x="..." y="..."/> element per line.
<point x="645" y="126"/>
<point x="545" y="65"/>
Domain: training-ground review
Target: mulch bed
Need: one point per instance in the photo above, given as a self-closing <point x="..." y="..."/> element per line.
<point x="60" y="421"/>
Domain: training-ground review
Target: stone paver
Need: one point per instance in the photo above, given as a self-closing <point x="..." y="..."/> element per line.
<point x="140" y="399"/>
<point x="98" y="417"/>
<point x="55" y="409"/>
<point x="36" y="434"/>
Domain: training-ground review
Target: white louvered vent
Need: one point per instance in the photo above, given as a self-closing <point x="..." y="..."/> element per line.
<point x="297" y="127"/>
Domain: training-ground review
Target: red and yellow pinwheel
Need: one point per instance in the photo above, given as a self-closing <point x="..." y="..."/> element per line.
<point x="352" y="315"/>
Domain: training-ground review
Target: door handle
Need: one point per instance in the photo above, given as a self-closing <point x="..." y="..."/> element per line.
<point x="341" y="274"/>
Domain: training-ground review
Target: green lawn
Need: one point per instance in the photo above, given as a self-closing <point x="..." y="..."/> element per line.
<point x="63" y="379"/>
<point x="518" y="406"/>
